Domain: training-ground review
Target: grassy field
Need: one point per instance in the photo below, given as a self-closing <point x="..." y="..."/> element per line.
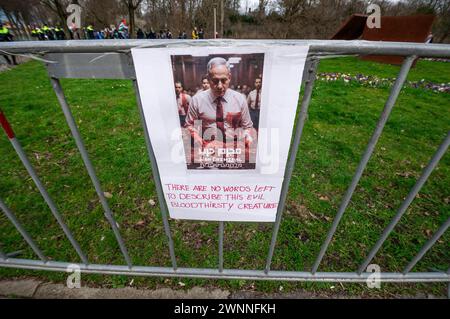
<point x="341" y="119"/>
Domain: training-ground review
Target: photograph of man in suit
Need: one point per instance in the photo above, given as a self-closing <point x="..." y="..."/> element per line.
<point x="219" y="118"/>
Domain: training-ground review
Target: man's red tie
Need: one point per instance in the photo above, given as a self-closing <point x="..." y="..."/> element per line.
<point x="219" y="117"/>
<point x="257" y="100"/>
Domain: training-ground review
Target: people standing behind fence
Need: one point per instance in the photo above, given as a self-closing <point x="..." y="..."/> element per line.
<point x="254" y="102"/>
<point x="7" y="36"/>
<point x="100" y="35"/>
<point x="194" y="34"/>
<point x="107" y="33"/>
<point x="75" y="32"/>
<point x="59" y="33"/>
<point x="151" y="34"/>
<point x="37" y="34"/>
<point x="201" y="34"/>
<point x="123" y="30"/>
<point x="113" y="32"/>
<point x="90" y="32"/>
<point x="48" y="33"/>
<point x="140" y="34"/>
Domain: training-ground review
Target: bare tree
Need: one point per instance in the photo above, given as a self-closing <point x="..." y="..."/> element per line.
<point x="20" y="14"/>
<point x="262" y="9"/>
<point x="440" y="8"/>
<point x="131" y="7"/>
<point x="59" y="8"/>
<point x="270" y="19"/>
<point x="102" y="13"/>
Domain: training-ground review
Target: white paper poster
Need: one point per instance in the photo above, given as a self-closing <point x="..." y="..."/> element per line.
<point x="220" y="121"/>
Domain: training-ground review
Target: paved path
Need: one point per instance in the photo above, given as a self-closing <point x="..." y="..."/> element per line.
<point x="32" y="288"/>
<point x="36" y="289"/>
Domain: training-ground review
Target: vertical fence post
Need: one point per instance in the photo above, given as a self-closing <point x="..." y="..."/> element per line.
<point x="21" y="230"/>
<point x="156" y="178"/>
<point x="309" y="84"/>
<point x="23" y="157"/>
<point x="87" y="162"/>
<point x="448" y="285"/>
<point x="367" y="154"/>
<point x="412" y="194"/>
<point x="221" y="231"/>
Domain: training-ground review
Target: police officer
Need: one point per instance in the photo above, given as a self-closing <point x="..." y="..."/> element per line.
<point x="60" y="35"/>
<point x="48" y="34"/>
<point x="41" y="34"/>
<point x="6" y="36"/>
<point x="90" y="32"/>
<point x="34" y="33"/>
<point x="45" y="30"/>
<point x="140" y="34"/>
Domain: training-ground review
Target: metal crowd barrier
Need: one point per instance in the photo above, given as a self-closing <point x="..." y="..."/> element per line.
<point x="111" y="59"/>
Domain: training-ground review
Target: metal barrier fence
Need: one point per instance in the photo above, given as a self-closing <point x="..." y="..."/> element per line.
<point x="111" y="59"/>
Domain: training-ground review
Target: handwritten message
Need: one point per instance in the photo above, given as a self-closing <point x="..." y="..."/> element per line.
<point x="220" y="197"/>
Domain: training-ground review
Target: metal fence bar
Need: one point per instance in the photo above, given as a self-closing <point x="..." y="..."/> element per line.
<point x="448" y="285"/>
<point x="156" y="177"/>
<point x="427" y="246"/>
<point x="23" y="157"/>
<point x="367" y="154"/>
<point x="309" y="85"/>
<point x="76" y="134"/>
<point x="412" y="194"/>
<point x="221" y="246"/>
<point x="208" y="273"/>
<point x="48" y="199"/>
<point x="323" y="47"/>
<point x="22" y="230"/>
<point x="14" y="253"/>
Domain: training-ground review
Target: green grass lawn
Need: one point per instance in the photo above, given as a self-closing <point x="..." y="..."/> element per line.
<point x="341" y="119"/>
<point x="437" y="72"/>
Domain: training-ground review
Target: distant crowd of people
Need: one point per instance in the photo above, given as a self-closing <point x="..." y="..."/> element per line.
<point x="167" y="34"/>
<point x="46" y="32"/>
<point x="89" y="32"/>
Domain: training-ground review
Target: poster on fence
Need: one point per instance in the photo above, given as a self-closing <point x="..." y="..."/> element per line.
<point x="220" y="121"/>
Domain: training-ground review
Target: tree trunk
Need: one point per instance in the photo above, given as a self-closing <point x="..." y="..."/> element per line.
<point x="57" y="7"/>
<point x="183" y="14"/>
<point x="21" y="25"/>
<point x="261" y="10"/>
<point x="131" y="19"/>
<point x="222" y="12"/>
<point x="26" y="24"/>
<point x="62" y="14"/>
